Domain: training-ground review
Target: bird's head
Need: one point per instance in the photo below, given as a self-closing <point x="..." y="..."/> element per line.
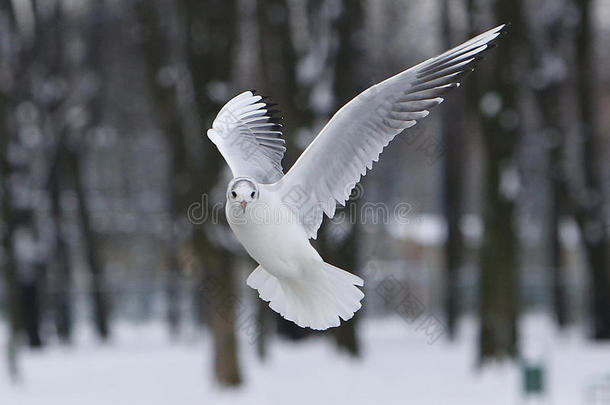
<point x="241" y="192"/>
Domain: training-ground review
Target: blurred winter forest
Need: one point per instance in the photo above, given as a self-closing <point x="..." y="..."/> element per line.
<point x="494" y="207"/>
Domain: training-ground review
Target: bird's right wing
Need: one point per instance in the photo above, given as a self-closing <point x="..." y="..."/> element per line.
<point x="353" y="139"/>
<point x="249" y="137"/>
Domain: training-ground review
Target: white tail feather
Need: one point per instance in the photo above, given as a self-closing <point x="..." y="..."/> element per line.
<point x="317" y="302"/>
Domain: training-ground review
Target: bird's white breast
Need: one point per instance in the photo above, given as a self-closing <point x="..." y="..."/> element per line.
<point x="271" y="233"/>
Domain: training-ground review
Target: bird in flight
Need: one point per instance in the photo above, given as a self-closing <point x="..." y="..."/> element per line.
<point x="274" y="215"/>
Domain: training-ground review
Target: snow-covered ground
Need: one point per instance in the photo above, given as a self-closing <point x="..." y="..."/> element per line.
<point x="142" y="366"/>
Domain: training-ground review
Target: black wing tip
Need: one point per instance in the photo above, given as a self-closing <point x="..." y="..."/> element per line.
<point x="269" y="104"/>
<point x="264" y="98"/>
<point x="271" y="112"/>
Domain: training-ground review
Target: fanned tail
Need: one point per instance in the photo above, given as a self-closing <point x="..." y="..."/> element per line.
<point x="317" y="302"/>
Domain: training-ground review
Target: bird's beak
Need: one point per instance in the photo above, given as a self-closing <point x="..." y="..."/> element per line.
<point x="243" y="205"/>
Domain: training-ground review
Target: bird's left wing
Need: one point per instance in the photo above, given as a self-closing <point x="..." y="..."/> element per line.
<point x="353" y="139"/>
<point x="249" y="138"/>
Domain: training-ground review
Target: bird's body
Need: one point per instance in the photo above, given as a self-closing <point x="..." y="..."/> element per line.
<point x="291" y="274"/>
<point x="272" y="235"/>
<point x="275" y="215"/>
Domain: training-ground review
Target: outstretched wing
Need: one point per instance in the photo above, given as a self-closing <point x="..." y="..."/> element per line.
<point x="249" y="137"/>
<point x="355" y="136"/>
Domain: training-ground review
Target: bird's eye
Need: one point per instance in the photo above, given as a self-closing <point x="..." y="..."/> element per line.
<point x="252" y="194"/>
<point x="234" y="194"/>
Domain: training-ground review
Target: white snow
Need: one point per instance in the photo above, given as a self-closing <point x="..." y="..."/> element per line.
<point x="141" y="366"/>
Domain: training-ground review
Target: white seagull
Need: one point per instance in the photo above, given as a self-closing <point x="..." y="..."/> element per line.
<point x="274" y="215"/>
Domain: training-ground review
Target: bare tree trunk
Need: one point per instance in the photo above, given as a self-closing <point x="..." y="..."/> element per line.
<point x="590" y="196"/>
<point x="22" y="273"/>
<point x="95" y="38"/>
<point x="61" y="274"/>
<point x="558" y="192"/>
<point x="213" y="64"/>
<point x="219" y="294"/>
<point x="9" y="266"/>
<point x="98" y="283"/>
<point x="262" y="318"/>
<point x="10" y="274"/>
<point x="173" y="292"/>
<point x="546" y="53"/>
<point x="30" y="307"/>
<point x="453" y="139"/>
<point x="499" y="292"/>
<point x="155" y="49"/>
<point x="23" y="229"/>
